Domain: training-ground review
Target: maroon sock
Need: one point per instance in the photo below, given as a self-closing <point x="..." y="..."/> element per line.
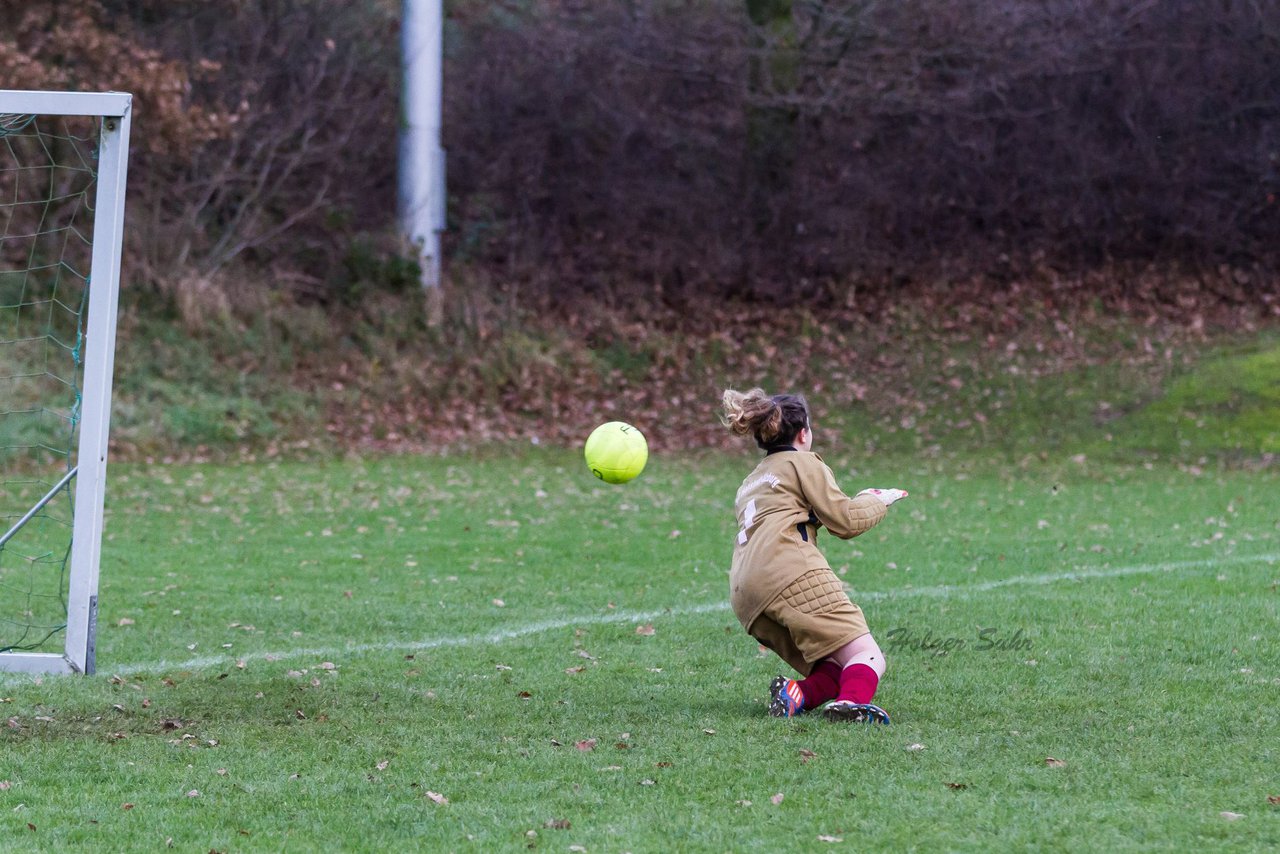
<point x="858" y="684"/>
<point x="822" y="685"/>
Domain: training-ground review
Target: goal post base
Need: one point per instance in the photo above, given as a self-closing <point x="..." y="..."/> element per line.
<point x="37" y="662"/>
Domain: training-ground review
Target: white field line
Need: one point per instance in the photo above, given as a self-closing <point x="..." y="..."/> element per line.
<point x="498" y="637"/>
<point x="1083" y="574"/>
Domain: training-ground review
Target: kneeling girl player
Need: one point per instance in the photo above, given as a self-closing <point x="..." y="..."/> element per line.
<point x="781" y="587"/>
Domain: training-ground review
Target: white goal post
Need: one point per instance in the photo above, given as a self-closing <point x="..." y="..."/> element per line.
<point x="80" y="479"/>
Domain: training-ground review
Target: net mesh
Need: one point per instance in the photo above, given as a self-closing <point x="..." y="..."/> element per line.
<point x="47" y="175"/>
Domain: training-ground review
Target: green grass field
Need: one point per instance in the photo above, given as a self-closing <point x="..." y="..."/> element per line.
<point x="499" y="653"/>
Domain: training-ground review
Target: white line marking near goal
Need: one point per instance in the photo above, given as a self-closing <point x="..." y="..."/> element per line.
<point x="493" y="638"/>
<point x="431" y="643"/>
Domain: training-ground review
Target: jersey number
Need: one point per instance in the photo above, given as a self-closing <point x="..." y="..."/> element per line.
<point x="748" y="519"/>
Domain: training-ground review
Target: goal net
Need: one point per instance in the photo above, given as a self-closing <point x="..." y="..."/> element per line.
<point x="62" y="176"/>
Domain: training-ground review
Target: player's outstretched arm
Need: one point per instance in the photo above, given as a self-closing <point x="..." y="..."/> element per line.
<point x="888" y="496"/>
<point x="843" y="516"/>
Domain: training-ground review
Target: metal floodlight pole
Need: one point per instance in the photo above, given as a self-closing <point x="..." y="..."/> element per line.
<point x="421" y="179"/>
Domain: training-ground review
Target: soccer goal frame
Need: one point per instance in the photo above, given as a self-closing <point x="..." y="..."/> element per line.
<point x="89" y="468"/>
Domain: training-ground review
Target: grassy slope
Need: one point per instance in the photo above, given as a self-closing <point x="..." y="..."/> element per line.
<point x="442" y="590"/>
<point x="1229" y="401"/>
<point x="1011" y="378"/>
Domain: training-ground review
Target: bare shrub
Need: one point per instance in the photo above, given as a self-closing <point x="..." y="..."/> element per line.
<point x="307" y="159"/>
<point x="264" y="133"/>
<point x="594" y="141"/>
<point x="654" y="149"/>
<point x="612" y="142"/>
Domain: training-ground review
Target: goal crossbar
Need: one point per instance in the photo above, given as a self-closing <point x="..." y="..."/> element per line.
<point x="116" y="104"/>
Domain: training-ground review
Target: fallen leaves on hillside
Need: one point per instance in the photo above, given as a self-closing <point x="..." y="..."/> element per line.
<point x="917" y="358"/>
<point x="857" y="360"/>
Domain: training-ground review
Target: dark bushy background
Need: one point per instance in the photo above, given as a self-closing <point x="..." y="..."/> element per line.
<point x="772" y="148"/>
<point x="683" y="144"/>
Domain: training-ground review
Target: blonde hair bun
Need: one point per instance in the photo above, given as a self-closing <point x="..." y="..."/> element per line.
<point x="752" y="413"/>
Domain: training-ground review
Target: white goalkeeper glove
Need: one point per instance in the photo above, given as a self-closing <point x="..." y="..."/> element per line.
<point x="888" y="496"/>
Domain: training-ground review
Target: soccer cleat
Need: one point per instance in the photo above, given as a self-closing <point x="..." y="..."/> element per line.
<point x="846" y="710"/>
<point x="786" y="700"/>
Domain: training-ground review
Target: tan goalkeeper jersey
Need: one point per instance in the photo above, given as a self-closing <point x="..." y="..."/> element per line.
<point x="780" y="507"/>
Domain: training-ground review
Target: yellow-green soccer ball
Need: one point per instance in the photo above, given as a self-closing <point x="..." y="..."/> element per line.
<point x="616" y="452"/>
